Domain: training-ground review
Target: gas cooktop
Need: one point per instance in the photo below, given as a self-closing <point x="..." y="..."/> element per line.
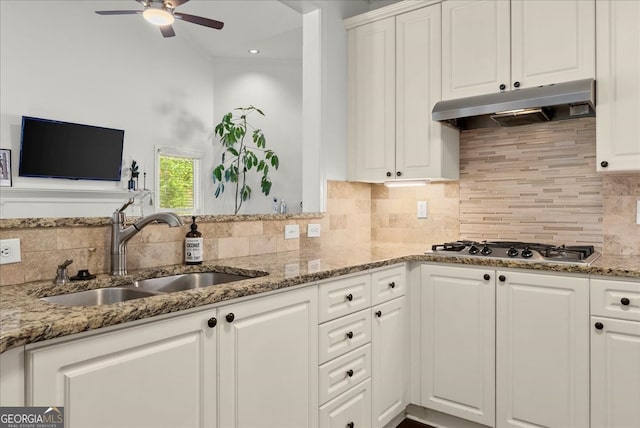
<point x="521" y="251"/>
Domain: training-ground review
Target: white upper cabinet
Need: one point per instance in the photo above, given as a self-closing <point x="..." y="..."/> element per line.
<point x="394" y="81"/>
<point x="495" y="45"/>
<point x="618" y="86"/>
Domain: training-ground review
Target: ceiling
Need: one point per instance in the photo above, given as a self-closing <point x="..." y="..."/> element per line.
<point x="268" y="25"/>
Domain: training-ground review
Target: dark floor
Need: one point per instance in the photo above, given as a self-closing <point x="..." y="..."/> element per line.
<point x="408" y="423"/>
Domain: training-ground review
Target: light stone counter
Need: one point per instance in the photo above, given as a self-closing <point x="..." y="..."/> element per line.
<point x="25" y="318"/>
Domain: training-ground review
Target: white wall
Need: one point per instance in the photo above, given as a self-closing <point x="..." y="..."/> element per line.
<point x="275" y="87"/>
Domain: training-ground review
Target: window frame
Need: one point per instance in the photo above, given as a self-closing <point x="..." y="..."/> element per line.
<point x="197" y="158"/>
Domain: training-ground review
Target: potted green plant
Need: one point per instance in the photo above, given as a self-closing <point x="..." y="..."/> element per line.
<point x="240" y="156"/>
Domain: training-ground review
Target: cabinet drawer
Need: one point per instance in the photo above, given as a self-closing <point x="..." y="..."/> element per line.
<point x="388" y="284"/>
<point x="615" y="299"/>
<point x="352" y="407"/>
<point x="345" y="334"/>
<point x="341" y="374"/>
<point x="343" y="297"/>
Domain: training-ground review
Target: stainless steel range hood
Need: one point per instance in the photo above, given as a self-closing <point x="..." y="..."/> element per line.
<point x="519" y="107"/>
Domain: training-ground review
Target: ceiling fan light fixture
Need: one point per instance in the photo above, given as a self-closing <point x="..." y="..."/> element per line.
<point x="253" y="51"/>
<point x="158" y="17"/>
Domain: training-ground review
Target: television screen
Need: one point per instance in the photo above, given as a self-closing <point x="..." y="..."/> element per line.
<point x="55" y="149"/>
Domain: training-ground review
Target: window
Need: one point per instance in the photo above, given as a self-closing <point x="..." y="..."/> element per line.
<point x="178" y="180"/>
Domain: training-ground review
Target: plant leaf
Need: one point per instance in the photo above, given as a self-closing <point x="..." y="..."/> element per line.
<point x="219" y="190"/>
<point x="275" y="162"/>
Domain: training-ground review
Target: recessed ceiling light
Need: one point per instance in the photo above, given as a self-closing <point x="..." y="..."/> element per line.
<point x="254" y="51"/>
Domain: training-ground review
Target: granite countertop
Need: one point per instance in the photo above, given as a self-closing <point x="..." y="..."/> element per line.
<point x="26" y="319"/>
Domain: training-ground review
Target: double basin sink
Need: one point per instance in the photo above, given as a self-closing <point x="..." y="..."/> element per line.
<point x="146" y="288"/>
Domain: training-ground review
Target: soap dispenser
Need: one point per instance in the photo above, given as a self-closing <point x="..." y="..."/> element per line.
<point x="193" y="245"/>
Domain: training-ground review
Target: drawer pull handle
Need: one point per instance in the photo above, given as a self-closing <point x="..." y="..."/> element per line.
<point x="599" y="326"/>
<point x="392" y="284"/>
<point x="502" y="278"/>
<point x="230" y="317"/>
<point x="349" y="297"/>
<point x="351" y="425"/>
<point x="350" y="335"/>
<point x="625" y="301"/>
<point x="378" y="314"/>
<point x="350" y="373"/>
<point x="212" y="322"/>
<point x="487" y="277"/>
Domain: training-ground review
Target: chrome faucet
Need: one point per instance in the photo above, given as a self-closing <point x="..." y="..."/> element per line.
<point x="120" y="234"/>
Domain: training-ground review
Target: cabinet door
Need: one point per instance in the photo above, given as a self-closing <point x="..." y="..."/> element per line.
<point x="389" y="360"/>
<point x="268" y="361"/>
<point x="552" y="41"/>
<point x="371" y="106"/>
<point x="475" y="47"/>
<point x="424" y="148"/>
<point x="458" y="341"/>
<point x="618" y="86"/>
<point x="615" y="373"/>
<point x="161" y="374"/>
<point x="542" y="353"/>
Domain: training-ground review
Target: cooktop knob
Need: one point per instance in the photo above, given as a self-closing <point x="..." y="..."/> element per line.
<point x="486" y="250"/>
<point x="473" y="250"/>
<point x="512" y="252"/>
<point x="526" y="253"/>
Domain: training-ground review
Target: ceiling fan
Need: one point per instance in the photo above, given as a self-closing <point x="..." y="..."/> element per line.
<point x="162" y="13"/>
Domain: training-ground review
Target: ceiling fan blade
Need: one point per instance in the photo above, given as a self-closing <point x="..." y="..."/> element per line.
<point x="175" y="3"/>
<point x="118" y="12"/>
<point x="206" y="22"/>
<point x="167" y="31"/>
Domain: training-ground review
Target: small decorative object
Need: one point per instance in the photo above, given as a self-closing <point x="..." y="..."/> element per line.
<point x="239" y="158"/>
<point x="133" y="181"/>
<point x="5" y="168"/>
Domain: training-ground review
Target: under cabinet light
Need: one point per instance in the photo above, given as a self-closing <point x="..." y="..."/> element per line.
<point x="406" y="183"/>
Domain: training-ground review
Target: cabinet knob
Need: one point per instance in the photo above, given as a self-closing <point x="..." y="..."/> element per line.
<point x="392" y="284"/>
<point x="503" y="86"/>
<point x="502" y="278"/>
<point x="599" y="326"/>
<point x="625" y="301"/>
<point x="378" y="314"/>
<point x="230" y="317"/>
<point x="604" y="164"/>
<point x="349" y="297"/>
<point x="487" y="277"/>
<point x="388" y="173"/>
<point x="516" y="84"/>
<point x="350" y="335"/>
<point x="351" y="425"/>
<point x="350" y="373"/>
<point x="398" y="173"/>
<point x="212" y="322"/>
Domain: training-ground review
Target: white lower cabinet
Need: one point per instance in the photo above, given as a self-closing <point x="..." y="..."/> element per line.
<point x="458" y="341"/>
<point x="350" y="410"/>
<point x="615" y="354"/>
<point x="542" y="350"/>
<point x="268" y="362"/>
<point x="161" y="374"/>
<point x="390" y="360"/>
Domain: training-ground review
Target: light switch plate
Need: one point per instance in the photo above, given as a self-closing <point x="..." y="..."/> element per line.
<point x="9" y="251"/>
<point x="422" y="209"/>
<point x="291" y="231"/>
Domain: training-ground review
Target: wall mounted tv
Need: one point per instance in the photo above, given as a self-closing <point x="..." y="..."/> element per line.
<point x="54" y="149"/>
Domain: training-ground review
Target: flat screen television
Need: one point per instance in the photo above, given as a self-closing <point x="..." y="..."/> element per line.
<point x="54" y="149"/>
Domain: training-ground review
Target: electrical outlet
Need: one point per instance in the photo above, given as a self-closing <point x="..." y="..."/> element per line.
<point x="9" y="251"/>
<point x="422" y="209"/>
<point x="313" y="231"/>
<point x="291" y="231"/>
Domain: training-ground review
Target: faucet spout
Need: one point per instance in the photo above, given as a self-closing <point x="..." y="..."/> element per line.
<point x="120" y="235"/>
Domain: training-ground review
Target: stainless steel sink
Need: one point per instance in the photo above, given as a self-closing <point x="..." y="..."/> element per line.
<point x="145" y="288"/>
<point x="187" y="281"/>
<point x="100" y="296"/>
